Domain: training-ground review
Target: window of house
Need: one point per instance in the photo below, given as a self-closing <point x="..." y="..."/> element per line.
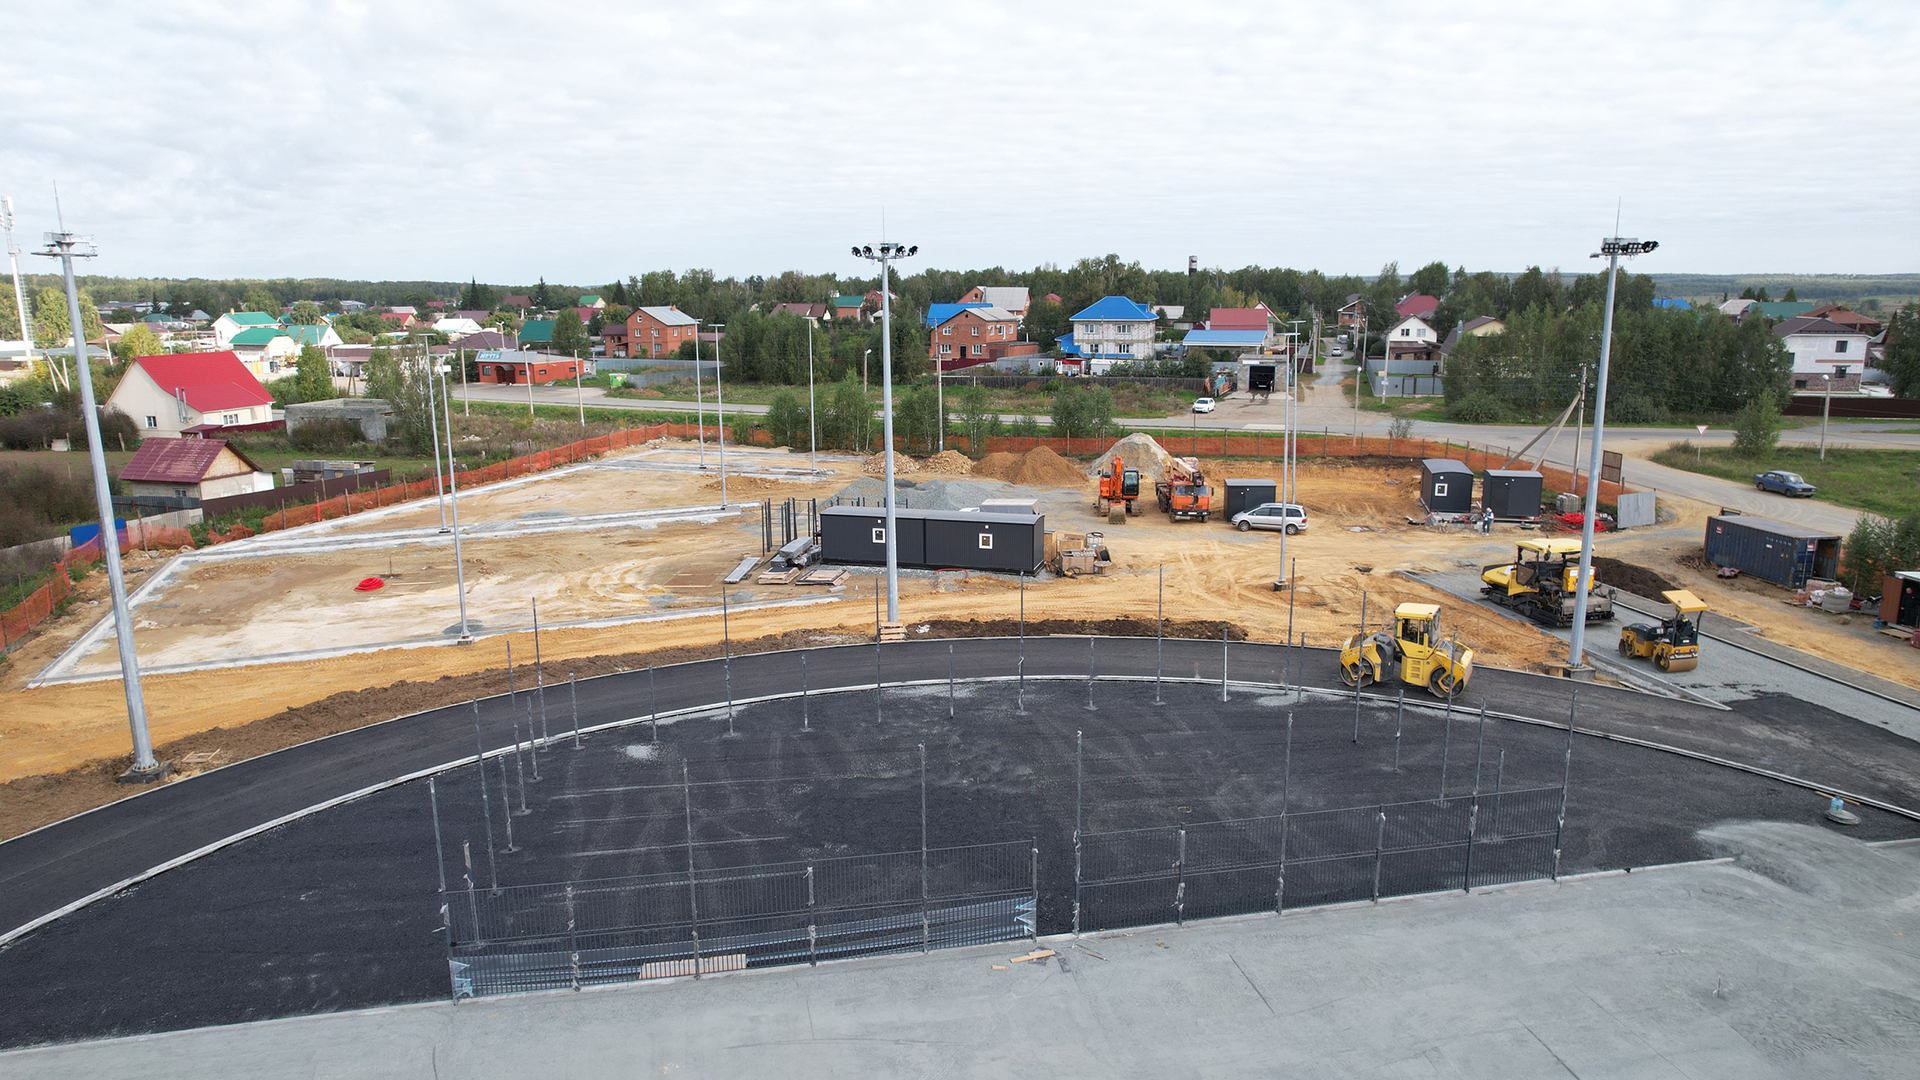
<point x="946" y="331"/>
<point x="153" y="421"/>
<point x="945" y="349"/>
<point x="976" y="331"/>
<point x="230" y="419"/>
<point x="179" y="493"/>
<point x="986" y="541"/>
<point x="1799" y="384"/>
<point x="1839" y="346"/>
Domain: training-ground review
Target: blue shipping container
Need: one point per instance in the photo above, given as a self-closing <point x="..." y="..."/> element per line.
<point x="1775" y="551"/>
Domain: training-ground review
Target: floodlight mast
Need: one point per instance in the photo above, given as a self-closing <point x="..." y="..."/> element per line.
<point x="1612" y="247"/>
<point x="885" y="257"/>
<point x="67" y="247"/>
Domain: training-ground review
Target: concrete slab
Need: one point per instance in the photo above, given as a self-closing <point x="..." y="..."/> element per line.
<point x="1795" y="959"/>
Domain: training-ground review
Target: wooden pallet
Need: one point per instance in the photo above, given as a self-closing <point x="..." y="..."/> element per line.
<point x="779" y="577"/>
<point x="823" y="575"/>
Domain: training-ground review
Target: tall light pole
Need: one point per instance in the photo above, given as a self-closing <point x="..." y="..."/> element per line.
<point x="1826" y="410"/>
<point x="813" y="436"/>
<point x="699" y="403"/>
<point x="1612" y="247"/>
<point x="433" y="428"/>
<point x="459" y="564"/>
<point x="13" y="261"/>
<point x="720" y="409"/>
<point x="885" y="256"/>
<point x="66" y="247"/>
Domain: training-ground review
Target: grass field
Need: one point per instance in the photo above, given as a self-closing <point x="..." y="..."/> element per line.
<point x="1877" y="481"/>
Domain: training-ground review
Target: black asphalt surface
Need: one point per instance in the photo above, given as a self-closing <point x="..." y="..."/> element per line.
<point x="336" y="910"/>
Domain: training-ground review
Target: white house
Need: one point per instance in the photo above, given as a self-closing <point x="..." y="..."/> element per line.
<point x="1823" y="349"/>
<point x="321" y="335"/>
<point x="193" y="468"/>
<point x="233" y="322"/>
<point x="1412" y="330"/>
<point x="457" y="327"/>
<point x="191" y="393"/>
<point x="1113" y="328"/>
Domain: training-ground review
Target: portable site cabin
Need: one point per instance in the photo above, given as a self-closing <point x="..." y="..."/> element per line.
<point x="1446" y="486"/>
<point x="1512" y="493"/>
<point x="934" y="539"/>
<point x="1247" y="494"/>
<point x="858" y="534"/>
<point x="1772" y="550"/>
<point x="1900" y="599"/>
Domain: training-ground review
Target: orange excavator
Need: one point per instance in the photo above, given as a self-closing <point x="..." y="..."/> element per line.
<point x="1118" y="492"/>
<point x="1184" y="493"/>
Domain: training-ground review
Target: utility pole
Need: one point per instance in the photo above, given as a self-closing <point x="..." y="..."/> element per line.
<point x="67" y="247"/>
<point x="813" y="430"/>
<point x="13" y="261"/>
<point x="1612" y="247"/>
<point x="459" y="564"/>
<point x="720" y="410"/>
<point x="885" y="256"/>
<point x="1826" y="410"/>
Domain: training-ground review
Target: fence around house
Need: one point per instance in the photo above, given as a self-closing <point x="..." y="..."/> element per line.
<point x="41" y="604"/>
<point x="1016" y="382"/>
<point x="312" y="489"/>
<point x="587" y="933"/>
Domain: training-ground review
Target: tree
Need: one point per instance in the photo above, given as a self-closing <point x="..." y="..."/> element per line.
<point x="1431" y="279"/>
<point x="478" y="297"/>
<point x="313" y="379"/>
<point x="404" y="384"/>
<point x="260" y="298"/>
<point x="570" y="334"/>
<point x="542" y="295"/>
<point x="978" y="421"/>
<point x="1756" y="429"/>
<point x="1903" y="351"/>
<point x="306" y="313"/>
<point x="787" y="420"/>
<point x="1879" y="546"/>
<point x="847" y="420"/>
<point x="1792" y="295"/>
<point x="51" y="327"/>
<point x="139" y="341"/>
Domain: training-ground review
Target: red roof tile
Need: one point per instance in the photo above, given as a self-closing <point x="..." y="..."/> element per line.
<point x="210" y="381"/>
<point x="1237" y="319"/>
<point x="1417" y="304"/>
<point x="177" y="461"/>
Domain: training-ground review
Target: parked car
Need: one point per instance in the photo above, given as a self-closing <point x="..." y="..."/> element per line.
<point x="1337" y="350"/>
<point x="1784" y="482"/>
<point x="1289" y="516"/>
<point x="1204" y="404"/>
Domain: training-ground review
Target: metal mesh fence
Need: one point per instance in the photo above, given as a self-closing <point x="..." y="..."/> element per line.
<point x="1135" y="877"/>
<point x="583" y="933"/>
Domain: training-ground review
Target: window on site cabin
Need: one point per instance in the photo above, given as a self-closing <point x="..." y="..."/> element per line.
<point x="986" y="541"/>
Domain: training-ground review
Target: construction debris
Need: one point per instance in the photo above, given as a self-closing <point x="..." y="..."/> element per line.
<point x="1037" y="954"/>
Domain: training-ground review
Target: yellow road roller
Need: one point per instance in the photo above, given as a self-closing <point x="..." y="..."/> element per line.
<point x="1673" y="644"/>
<point x="1412" y="652"/>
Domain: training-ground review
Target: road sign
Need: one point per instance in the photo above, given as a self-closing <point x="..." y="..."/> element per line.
<point x="486" y="355"/>
<point x="1701" y="428"/>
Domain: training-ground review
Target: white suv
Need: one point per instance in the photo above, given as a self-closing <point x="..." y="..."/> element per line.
<point x="1289" y="516"/>
<point x="1204" y="404"/>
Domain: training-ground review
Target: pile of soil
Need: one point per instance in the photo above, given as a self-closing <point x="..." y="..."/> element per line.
<point x="1038" y="467"/>
<point x="876" y="465"/>
<point x="1637" y="580"/>
<point x="948" y="463"/>
<point x="1137" y="451"/>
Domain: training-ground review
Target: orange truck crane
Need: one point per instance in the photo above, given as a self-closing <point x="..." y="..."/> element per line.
<point x="1118" y="491"/>
<point x="1184" y="493"/>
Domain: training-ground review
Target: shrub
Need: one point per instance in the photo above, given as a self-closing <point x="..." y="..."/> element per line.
<point x="328" y="436"/>
<point x="1756" y="429"/>
<point x="1877" y="547"/>
<point x="1476" y="408"/>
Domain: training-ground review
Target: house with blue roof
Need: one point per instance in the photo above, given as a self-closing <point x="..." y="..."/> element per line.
<point x="939" y="313"/>
<point x="1111" y="329"/>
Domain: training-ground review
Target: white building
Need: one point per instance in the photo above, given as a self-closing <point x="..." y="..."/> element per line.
<point x="1412" y="330"/>
<point x="457" y="327"/>
<point x="267" y="351"/>
<point x="1113" y="328"/>
<point x="191" y="393"/>
<point x="1824" y="350"/>
<point x="234" y="322"/>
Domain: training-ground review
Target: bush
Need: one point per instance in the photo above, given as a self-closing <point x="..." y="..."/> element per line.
<point x="1877" y="547"/>
<point x="1401" y="428"/>
<point x="1636" y="409"/>
<point x="1477" y="408"/>
<point x="329" y="436"/>
<point x="1756" y="430"/>
<point x="38" y="503"/>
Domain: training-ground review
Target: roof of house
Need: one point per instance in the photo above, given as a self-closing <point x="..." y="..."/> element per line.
<point x="403" y="309"/>
<point x="1421" y="319"/>
<point x="1222" y="318"/>
<point x="1011" y="297"/>
<point x="586" y="313"/>
<point x="252" y="318"/>
<point x="304" y="334"/>
<point x="611" y="330"/>
<point x="537" y="331"/>
<point x="1736" y="307"/>
<point x="1806" y="324"/>
<point x="591" y="300"/>
<point x="489" y="339"/>
<point x="516" y="300"/>
<point x="1225" y="339"/>
<point x="939" y="313"/>
<point x="179" y="461"/>
<point x="401" y="317"/>
<point x="478" y="315"/>
<point x="1672" y="302"/>
<point x="258" y="335"/>
<point x="848" y="301"/>
<point x="983" y="311"/>
<point x="669" y="316"/>
<point x="1352" y="299"/>
<point x="1113" y="307"/>
<point x="1460" y="330"/>
<point x="1845" y="316"/>
<point x="210" y="381"/>
<point x="1783" y="309"/>
<point x="1417" y="304"/>
<point x="805" y="311"/>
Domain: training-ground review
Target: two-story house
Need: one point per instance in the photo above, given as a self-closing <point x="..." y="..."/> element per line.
<point x="1413" y="348"/>
<point x="192" y="393"/>
<point x="1113" y="328"/>
<point x="1824" y="350"/>
<point x="655" y="332"/>
<point x="1011" y="298"/>
<point x="972" y="335"/>
<point x="234" y="322"/>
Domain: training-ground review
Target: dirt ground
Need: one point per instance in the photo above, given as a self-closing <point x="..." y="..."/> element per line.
<point x="1358" y="546"/>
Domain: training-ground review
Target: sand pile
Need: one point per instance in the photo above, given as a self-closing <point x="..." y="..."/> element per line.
<point x="1137" y="451"/>
<point x="876" y="465"/>
<point x="948" y="463"/>
<point x="1038" y="467"/>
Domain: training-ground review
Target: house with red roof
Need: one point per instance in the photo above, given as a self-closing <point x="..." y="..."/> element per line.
<point x="193" y="469"/>
<point x="193" y="394"/>
<point x="1417" y="305"/>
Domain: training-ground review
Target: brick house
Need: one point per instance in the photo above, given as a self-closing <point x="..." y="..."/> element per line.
<point x="657" y="331"/>
<point x="977" y="335"/>
<point x="1013" y="298"/>
<point x="538" y="368"/>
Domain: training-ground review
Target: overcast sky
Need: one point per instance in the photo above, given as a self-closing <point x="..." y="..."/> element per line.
<point x="456" y="140"/>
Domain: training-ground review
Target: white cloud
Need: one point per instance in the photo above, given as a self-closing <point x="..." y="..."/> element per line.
<point x="509" y="141"/>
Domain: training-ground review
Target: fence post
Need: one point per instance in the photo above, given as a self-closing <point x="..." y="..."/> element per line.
<point x="1159" y="634"/>
<point x="573" y="941"/>
<point x="1180" y="892"/>
<point x="1379" y="849"/>
<point x="1033" y="882"/>
<point x="486" y="804"/>
<point x="1446" y="744"/>
<point x="813" y="931"/>
<point x="1399" y="724"/>
<point x="573" y="701"/>
<point x="1223" y="662"/>
<point x="1566" y="779"/>
<point x="1089" y="672"/>
<point x="1079" y="781"/>
<point x="950" y="681"/>
<point x="653" y="697"/>
<point x="926" y="930"/>
<point x="805" y="720"/>
<point x="693" y="891"/>
<point x="1286" y="776"/>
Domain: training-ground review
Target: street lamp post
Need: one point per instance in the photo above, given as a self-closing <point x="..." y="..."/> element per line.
<point x="885" y="256"/>
<point x="720" y="411"/>
<point x="699" y="402"/>
<point x="1612" y="247"/>
<point x="459" y="564"/>
<point x="813" y="434"/>
<point x="433" y="429"/>
<point x="66" y="247"/>
<point x="1826" y="410"/>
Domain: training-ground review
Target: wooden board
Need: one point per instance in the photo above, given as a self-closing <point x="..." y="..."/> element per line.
<point x="823" y="575"/>
<point x="740" y="572"/>
<point x="779" y="577"/>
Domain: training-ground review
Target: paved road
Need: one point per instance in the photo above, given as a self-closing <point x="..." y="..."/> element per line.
<point x="45" y="871"/>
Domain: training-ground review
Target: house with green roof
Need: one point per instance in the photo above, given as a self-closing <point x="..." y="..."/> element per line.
<point x="594" y="301"/>
<point x="267" y="351"/>
<point x="234" y="322"/>
<point x="847" y="307"/>
<point x="321" y="335"/>
<point x="536" y="332"/>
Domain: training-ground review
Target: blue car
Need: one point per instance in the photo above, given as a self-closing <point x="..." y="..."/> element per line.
<point x="1784" y="482"/>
